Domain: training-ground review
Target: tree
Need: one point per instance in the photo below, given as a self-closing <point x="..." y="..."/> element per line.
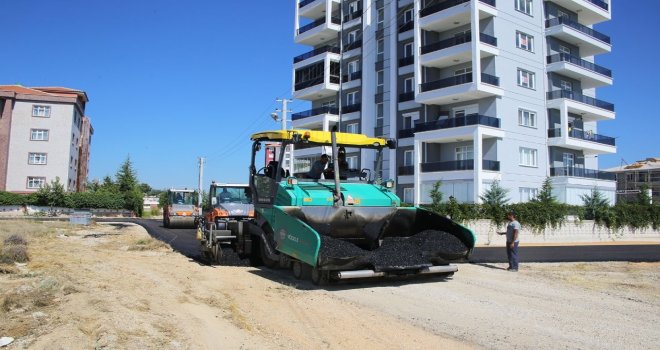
<point x="545" y="194"/>
<point x="146" y="189"/>
<point x="52" y="194"/>
<point x="126" y="176"/>
<point x="643" y="197"/>
<point x="595" y="205"/>
<point x="108" y="185"/>
<point x="436" y="197"/>
<point x="494" y="202"/>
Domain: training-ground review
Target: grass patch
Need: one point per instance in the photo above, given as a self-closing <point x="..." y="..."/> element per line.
<point x="147" y="244"/>
<point x="14" y="253"/>
<point x="15" y="240"/>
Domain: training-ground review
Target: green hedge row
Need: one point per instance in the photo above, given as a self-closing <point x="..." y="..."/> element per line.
<point x="76" y="200"/>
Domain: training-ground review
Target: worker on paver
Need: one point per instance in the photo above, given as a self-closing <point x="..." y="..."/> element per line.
<point x="317" y="168"/>
<point x="512" y="240"/>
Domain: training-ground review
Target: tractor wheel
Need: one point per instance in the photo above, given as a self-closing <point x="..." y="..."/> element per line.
<point x="320" y="277"/>
<point x="297" y="269"/>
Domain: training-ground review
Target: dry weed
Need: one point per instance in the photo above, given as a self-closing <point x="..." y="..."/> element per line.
<point x="147" y="244"/>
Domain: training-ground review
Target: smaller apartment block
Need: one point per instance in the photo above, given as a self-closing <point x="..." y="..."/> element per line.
<point x="44" y="134"/>
<point x="632" y="178"/>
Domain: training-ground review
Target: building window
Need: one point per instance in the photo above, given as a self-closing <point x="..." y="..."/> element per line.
<point x="352" y="162"/>
<point x="380" y="16"/>
<point x="528" y="157"/>
<point x="37" y="158"/>
<point x="353" y="7"/>
<point x="380" y="78"/>
<point x="39" y="135"/>
<point x="528" y="193"/>
<point x="462" y="71"/>
<point x="524" y="6"/>
<point x="408" y="157"/>
<point x="464" y="153"/>
<point x="351" y="98"/>
<point x="526" y="79"/>
<point x="526" y="118"/>
<point x="35" y="182"/>
<point x="352" y="68"/>
<point x="352" y="128"/>
<point x="41" y="111"/>
<point x="566" y="85"/>
<point x="352" y="36"/>
<point x="409" y="85"/>
<point x="525" y="41"/>
<point x="408" y="16"/>
<point x="408" y="194"/>
<point x="380" y="111"/>
<point x="408" y="50"/>
<point x="564" y="49"/>
<point x="407" y="122"/>
<point x="380" y="47"/>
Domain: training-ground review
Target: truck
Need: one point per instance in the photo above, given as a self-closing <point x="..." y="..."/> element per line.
<point x="229" y="206"/>
<point x="180" y="209"/>
<point x="333" y="229"/>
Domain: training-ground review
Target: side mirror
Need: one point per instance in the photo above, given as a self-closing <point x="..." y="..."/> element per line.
<point x="214" y="201"/>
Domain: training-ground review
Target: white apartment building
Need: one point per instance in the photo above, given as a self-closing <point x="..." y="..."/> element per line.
<point x="474" y="91"/>
<point x="44" y="134"/>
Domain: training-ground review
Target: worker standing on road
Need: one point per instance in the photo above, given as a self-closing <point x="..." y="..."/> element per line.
<point x="512" y="240"/>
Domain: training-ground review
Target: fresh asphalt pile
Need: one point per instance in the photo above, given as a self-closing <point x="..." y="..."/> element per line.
<point x="397" y="252"/>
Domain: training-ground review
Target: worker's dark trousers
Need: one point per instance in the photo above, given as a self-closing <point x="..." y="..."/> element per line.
<point x="512" y="254"/>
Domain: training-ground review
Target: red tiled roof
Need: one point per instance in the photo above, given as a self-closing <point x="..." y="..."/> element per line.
<point x="45" y="91"/>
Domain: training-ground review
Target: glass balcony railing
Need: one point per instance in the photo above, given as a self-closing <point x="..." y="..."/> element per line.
<point x="307" y="83"/>
<point x="353" y="15"/>
<point x="351" y="108"/>
<point x="446" y="82"/>
<point x="406" y="26"/>
<point x="490" y="165"/>
<point x="315" y="52"/>
<point x="443" y="44"/>
<point x="577" y="26"/>
<point x="582" y="172"/>
<point x="404" y="133"/>
<point x="352" y="76"/>
<point x="406" y="61"/>
<point x="354" y="45"/>
<point x="305" y="3"/>
<point x="457" y="165"/>
<point x="470" y="119"/>
<point x="564" y="57"/>
<point x="487" y="39"/>
<point x="406" y="96"/>
<point x="407" y="170"/>
<point x="431" y="9"/>
<point x="576" y="96"/>
<point x="584" y="135"/>
<point x="318" y="22"/>
<point x="490" y="79"/>
<point x="314" y="112"/>
<point x="600" y="4"/>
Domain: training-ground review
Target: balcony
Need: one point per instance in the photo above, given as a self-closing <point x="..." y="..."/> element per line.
<point x="316" y="52"/>
<point x="458" y="88"/>
<point x="446" y="52"/>
<point x="406" y="96"/>
<point x="353" y="15"/>
<point x="446" y="15"/>
<point x="406" y="61"/>
<point x="590" y="75"/>
<point x="471" y="119"/>
<point x="587" y="142"/>
<point x="405" y="133"/>
<point x="352" y="76"/>
<point x="458" y="165"/>
<point x="318" y="31"/>
<point x="591" y="42"/>
<point x="316" y="88"/>
<point x="406" y="26"/>
<point x="351" y="108"/>
<point x="313" y="9"/>
<point x="589" y="11"/>
<point x="582" y="172"/>
<point x="352" y="46"/>
<point x="316" y="119"/>
<point x="590" y="108"/>
<point x="406" y="170"/>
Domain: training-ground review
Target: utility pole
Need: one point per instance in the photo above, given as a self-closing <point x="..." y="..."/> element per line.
<point x="288" y="152"/>
<point x="199" y="191"/>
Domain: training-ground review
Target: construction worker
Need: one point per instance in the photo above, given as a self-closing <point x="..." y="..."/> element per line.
<point x="317" y="168"/>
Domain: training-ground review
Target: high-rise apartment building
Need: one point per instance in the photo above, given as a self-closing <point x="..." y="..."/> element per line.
<point x="474" y="91"/>
<point x="44" y="134"/>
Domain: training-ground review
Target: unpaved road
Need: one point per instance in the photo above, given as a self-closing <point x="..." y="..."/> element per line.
<point x="114" y="287"/>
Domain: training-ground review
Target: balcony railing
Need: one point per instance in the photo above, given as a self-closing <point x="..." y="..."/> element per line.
<point x="351" y="108"/>
<point x="584" y="135"/>
<point x="315" y="111"/>
<point x="404" y="133"/>
<point x="576" y="96"/>
<point x="452" y="165"/>
<point x="352" y="76"/>
<point x="470" y="119"/>
<point x="406" y="96"/>
<point x="305" y="3"/>
<point x="318" y="22"/>
<point x="487" y="39"/>
<point x="600" y="4"/>
<point x="490" y="79"/>
<point x="490" y="165"/>
<point x="489" y="2"/>
<point x="353" y="15"/>
<point x="315" y="52"/>
<point x="407" y="170"/>
<point x="582" y="172"/>
<point x="353" y="45"/>
<point x="406" y="61"/>
<point x="443" y="44"/>
<point x="305" y="84"/>
<point x="431" y="9"/>
<point x="406" y="26"/>
<point x="577" y="26"/>
<point x="564" y="57"/>
<point x="446" y="82"/>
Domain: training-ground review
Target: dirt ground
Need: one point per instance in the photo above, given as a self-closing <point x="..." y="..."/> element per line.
<point x="112" y="286"/>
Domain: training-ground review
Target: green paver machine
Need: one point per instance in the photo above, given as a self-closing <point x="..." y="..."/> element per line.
<point x="343" y="229"/>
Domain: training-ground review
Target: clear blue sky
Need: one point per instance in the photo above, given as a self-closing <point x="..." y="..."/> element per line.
<point x="169" y="81"/>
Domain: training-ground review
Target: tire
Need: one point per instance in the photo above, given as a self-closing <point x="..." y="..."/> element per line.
<point x="297" y="269"/>
<point x="268" y="262"/>
<point x="320" y="277"/>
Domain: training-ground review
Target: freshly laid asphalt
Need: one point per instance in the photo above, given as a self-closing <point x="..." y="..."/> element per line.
<point x="183" y="241"/>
